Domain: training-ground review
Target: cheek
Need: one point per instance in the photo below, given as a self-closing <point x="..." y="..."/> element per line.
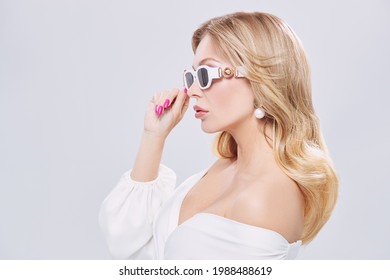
<point x="233" y="96"/>
<point x="229" y="107"/>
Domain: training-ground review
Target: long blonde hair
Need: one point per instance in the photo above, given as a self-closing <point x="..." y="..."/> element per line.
<point x="279" y="73"/>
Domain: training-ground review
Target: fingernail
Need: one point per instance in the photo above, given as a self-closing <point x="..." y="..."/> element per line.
<point x="160" y="110"/>
<point x="156" y="109"/>
<point x="166" y="103"/>
<point x="185" y="90"/>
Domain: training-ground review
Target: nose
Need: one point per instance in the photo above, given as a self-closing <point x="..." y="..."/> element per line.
<point x="194" y="90"/>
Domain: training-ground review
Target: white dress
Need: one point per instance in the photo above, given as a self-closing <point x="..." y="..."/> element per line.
<point x="140" y="221"/>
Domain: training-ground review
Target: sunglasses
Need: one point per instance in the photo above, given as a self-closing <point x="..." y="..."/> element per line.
<point x="205" y="75"/>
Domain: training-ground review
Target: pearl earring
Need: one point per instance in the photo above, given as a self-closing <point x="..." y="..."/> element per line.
<point x="259" y="113"/>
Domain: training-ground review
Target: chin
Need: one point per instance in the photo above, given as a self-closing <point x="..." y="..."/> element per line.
<point x="209" y="128"/>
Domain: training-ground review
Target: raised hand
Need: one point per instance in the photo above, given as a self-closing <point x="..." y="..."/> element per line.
<point x="164" y="112"/>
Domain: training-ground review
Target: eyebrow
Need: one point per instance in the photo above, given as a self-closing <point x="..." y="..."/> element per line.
<point x="204" y="60"/>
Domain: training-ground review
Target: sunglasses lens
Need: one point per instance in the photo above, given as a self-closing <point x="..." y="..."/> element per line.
<point x="189" y="79"/>
<point x="203" y="77"/>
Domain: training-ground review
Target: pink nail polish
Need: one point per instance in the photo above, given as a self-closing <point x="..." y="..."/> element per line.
<point x="185" y="90"/>
<point x="160" y="110"/>
<point x="156" y="109"/>
<point x="166" y="103"/>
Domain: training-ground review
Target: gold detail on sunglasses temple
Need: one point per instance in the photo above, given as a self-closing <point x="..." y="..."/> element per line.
<point x="227" y="72"/>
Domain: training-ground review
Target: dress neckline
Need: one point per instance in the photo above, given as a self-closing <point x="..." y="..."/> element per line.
<point x="246" y="226"/>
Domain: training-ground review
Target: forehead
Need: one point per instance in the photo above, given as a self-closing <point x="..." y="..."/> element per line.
<point x="206" y="50"/>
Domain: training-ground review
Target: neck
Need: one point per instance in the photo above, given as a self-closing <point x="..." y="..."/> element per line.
<point x="254" y="153"/>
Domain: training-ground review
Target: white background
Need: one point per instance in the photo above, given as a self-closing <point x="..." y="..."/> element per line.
<point x="75" y="78"/>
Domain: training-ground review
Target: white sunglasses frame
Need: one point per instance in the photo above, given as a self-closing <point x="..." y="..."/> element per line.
<point x="214" y="73"/>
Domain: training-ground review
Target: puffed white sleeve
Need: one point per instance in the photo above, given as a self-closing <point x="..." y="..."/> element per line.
<point x="126" y="215"/>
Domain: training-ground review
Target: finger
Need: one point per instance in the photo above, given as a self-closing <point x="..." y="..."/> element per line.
<point x="159" y="102"/>
<point x="163" y="100"/>
<point x="169" y="98"/>
<point x="186" y="104"/>
<point x="153" y="108"/>
<point x="158" y="97"/>
<point x="181" y="103"/>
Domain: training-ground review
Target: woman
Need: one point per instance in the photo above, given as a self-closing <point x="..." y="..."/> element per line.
<point x="273" y="186"/>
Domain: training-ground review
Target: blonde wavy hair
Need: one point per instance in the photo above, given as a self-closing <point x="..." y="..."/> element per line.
<point x="279" y="74"/>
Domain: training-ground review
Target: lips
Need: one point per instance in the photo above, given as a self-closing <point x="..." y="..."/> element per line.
<point x="199" y="112"/>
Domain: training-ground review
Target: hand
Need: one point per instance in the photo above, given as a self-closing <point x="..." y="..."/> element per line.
<point x="165" y="111"/>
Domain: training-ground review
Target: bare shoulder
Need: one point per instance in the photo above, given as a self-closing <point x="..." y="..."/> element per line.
<point x="272" y="202"/>
<point x="219" y="166"/>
